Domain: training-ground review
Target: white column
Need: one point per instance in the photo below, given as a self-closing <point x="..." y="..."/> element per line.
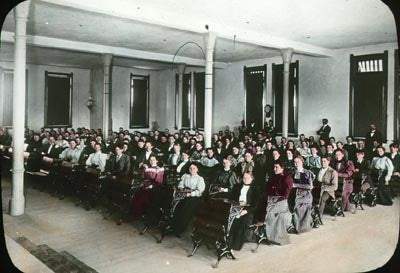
<point x="179" y="99"/>
<point x="208" y="89"/>
<point x="17" y="202"/>
<point x="107" y="58"/>
<point x="1" y="95"/>
<point x="287" y="57"/>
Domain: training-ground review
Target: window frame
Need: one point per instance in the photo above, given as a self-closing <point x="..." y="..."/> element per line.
<point x="354" y="59"/>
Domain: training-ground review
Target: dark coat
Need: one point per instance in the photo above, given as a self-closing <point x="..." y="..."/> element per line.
<point x="121" y="167"/>
<point x="324" y="132"/>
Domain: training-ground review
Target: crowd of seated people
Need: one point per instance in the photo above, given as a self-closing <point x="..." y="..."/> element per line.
<point x="253" y="167"/>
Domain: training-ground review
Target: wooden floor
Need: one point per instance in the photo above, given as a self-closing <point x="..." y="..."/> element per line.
<point x="355" y="243"/>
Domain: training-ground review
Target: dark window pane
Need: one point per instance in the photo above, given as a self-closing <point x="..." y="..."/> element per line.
<point x="139" y="101"/>
<point x="255" y="78"/>
<point x="199" y="81"/>
<point x="58" y="94"/>
<point x="186" y="101"/>
<point x="277" y="74"/>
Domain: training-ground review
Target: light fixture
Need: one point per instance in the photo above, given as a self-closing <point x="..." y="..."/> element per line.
<point x="90" y="103"/>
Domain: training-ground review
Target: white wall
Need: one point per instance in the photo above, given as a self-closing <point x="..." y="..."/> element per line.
<point x="323" y="90"/>
<point x="323" y="84"/>
<point x="36" y="94"/>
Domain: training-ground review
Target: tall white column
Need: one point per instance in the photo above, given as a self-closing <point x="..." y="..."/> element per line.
<point x="179" y="98"/>
<point x="107" y="58"/>
<point x="17" y="202"/>
<point x="287" y="57"/>
<point x="208" y="89"/>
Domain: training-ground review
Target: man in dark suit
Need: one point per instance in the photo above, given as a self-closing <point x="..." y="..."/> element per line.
<point x="371" y="136"/>
<point x="324" y="131"/>
<point x="144" y="157"/>
<point x="120" y="164"/>
<point x="51" y="149"/>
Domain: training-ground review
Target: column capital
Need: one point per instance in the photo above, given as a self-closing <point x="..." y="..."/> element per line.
<point x="107" y="58"/>
<point x="287" y="54"/>
<point x="181" y="68"/>
<point x="21" y="11"/>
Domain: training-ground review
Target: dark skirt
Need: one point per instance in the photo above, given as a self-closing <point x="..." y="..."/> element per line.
<point x="184" y="213"/>
<point x="384" y="196"/>
<point x="239" y="232"/>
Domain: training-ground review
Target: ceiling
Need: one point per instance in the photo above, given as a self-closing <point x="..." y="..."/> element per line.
<point x="144" y="32"/>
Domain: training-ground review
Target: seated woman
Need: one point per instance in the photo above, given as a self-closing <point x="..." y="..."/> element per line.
<point x="246" y="194"/>
<point x="313" y="162"/>
<point x="209" y="164"/>
<point x="289" y="162"/>
<point x="278" y="217"/>
<point x="183" y="164"/>
<point x="97" y="159"/>
<point x="153" y="176"/>
<point x="247" y="165"/>
<point x="328" y="178"/>
<point x="303" y="182"/>
<point x="225" y="181"/>
<point x="194" y="186"/>
<point x="381" y="173"/>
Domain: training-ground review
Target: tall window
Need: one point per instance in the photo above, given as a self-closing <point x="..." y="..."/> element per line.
<point x="396" y="95"/>
<point x="58" y="101"/>
<point x="368" y="93"/>
<point x="277" y="91"/>
<point x="139" y="107"/>
<point x="255" y="78"/>
<point x="192" y="100"/>
<point x="199" y="92"/>
<point x="186" y="101"/>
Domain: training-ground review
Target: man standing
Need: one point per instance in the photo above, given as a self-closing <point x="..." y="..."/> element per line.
<point x="324" y="131"/>
<point x="371" y="136"/>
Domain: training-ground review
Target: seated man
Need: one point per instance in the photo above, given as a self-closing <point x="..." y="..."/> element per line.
<point x="194" y="186"/>
<point x="144" y="157"/>
<point x="120" y="164"/>
<point x="361" y="174"/>
<point x="328" y="177"/>
<point x="51" y="149"/>
<point x="175" y="156"/>
<point x="345" y="170"/>
<point x="97" y="159"/>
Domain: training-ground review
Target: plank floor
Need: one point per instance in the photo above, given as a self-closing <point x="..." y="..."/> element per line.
<point x="358" y="242"/>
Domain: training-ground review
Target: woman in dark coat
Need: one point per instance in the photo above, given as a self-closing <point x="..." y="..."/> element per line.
<point x="246" y="194"/>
